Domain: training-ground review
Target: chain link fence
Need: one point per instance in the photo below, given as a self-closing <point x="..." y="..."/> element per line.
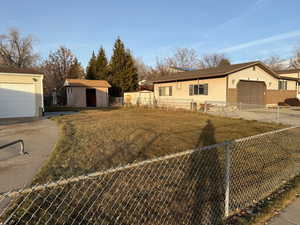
<point x="164" y="103"/>
<point x="265" y="113"/>
<point x="201" y="186"/>
<point x="174" y="103"/>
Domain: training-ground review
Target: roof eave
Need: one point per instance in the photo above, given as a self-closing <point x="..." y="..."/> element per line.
<point x="191" y="78"/>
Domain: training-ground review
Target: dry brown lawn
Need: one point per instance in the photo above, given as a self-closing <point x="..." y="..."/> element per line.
<point x="100" y="139"/>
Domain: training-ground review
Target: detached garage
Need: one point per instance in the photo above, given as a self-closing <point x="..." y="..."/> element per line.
<point x="21" y="93"/>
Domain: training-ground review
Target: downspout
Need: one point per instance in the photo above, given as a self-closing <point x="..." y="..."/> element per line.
<point x="226" y="89"/>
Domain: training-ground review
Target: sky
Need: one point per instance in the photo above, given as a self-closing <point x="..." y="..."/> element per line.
<point x="244" y="30"/>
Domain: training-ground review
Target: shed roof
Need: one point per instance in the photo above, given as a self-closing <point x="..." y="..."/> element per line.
<point x="216" y="72"/>
<point x="86" y="83"/>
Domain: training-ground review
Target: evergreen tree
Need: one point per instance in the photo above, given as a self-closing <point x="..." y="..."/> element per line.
<point x="76" y="71"/>
<point x="122" y="69"/>
<point x="101" y="65"/>
<point x="130" y="80"/>
<point x="224" y="62"/>
<point x="91" y="70"/>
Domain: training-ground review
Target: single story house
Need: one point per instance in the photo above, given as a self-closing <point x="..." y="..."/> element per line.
<point x="249" y="83"/>
<point x="21" y="93"/>
<point x="86" y="93"/>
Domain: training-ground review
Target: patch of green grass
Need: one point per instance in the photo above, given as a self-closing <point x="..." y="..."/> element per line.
<point x="100" y="139"/>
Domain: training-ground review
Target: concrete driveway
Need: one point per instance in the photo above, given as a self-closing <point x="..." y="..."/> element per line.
<point x="289" y="116"/>
<point x="39" y="136"/>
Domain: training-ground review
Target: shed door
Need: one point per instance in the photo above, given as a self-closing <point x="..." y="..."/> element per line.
<point x="251" y="92"/>
<point x="91" y="99"/>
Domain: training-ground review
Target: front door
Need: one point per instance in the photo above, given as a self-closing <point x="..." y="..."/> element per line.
<point x="90" y="97"/>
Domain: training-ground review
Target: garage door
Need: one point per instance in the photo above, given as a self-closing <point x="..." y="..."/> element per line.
<point x="17" y="100"/>
<point x="251" y="92"/>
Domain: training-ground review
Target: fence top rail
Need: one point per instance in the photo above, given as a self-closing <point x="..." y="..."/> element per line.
<point x="265" y="134"/>
<point x="63" y="181"/>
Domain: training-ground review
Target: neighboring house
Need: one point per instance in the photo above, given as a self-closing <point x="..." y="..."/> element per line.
<point x="86" y="93"/>
<point x="144" y="85"/>
<point x="21" y="93"/>
<point x="250" y="83"/>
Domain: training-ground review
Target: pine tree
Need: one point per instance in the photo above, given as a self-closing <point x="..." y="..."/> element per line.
<point x="130" y="80"/>
<point x="101" y="65"/>
<point x="76" y="71"/>
<point x="122" y="69"/>
<point x="91" y="70"/>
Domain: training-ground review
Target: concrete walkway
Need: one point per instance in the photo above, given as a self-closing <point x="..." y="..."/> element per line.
<point x="40" y="136"/>
<point x="289" y="216"/>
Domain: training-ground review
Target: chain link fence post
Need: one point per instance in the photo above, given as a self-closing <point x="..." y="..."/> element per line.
<point x="227" y="177"/>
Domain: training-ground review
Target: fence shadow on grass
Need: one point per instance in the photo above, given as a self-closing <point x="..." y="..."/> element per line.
<point x="207" y="176"/>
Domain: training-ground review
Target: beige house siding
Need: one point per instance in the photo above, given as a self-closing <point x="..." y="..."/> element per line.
<point x="76" y="96"/>
<point x="292" y="75"/>
<point x="35" y="79"/>
<point x="251" y="74"/>
<point x="180" y="90"/>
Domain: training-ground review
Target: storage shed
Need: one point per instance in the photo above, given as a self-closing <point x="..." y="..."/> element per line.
<point x="87" y="93"/>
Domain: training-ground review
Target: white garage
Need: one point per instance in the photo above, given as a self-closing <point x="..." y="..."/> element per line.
<point x="21" y="93"/>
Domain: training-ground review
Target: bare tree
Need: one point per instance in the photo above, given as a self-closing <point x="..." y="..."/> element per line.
<point x="274" y="62"/>
<point x="184" y="58"/>
<point x="295" y="61"/>
<point x="17" y="51"/>
<point x="213" y="60"/>
<point x="143" y="70"/>
<point x="57" y="68"/>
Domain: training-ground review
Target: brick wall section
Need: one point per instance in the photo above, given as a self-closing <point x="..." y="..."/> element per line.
<point x="272" y="96"/>
<point x="232" y="95"/>
<point x="276" y="96"/>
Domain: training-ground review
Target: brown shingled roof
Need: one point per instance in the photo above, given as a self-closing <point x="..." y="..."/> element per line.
<point x="287" y="71"/>
<point x="213" y="72"/>
<point x="86" y="83"/>
<point x="9" y="69"/>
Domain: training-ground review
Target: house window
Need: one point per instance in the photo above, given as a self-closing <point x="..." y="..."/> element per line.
<point x="282" y="85"/>
<point x="165" y="91"/>
<point x="198" y="89"/>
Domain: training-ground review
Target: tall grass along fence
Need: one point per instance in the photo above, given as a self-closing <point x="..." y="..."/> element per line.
<point x="200" y="186"/>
